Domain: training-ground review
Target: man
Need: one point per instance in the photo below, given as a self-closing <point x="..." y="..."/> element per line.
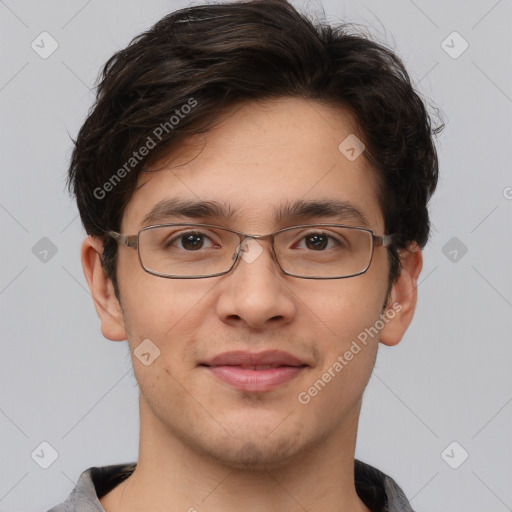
<point x="254" y="189"/>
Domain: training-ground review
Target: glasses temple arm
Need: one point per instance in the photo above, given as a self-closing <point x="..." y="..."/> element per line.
<point x="129" y="241"/>
<point x="383" y="240"/>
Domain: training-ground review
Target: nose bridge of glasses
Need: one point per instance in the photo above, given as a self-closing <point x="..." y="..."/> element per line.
<point x="250" y="246"/>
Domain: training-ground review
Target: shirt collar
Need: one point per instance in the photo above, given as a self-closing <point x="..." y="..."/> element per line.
<point x="378" y="491"/>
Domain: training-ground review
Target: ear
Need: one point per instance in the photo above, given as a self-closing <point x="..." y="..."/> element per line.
<point x="403" y="296"/>
<point x="102" y="291"/>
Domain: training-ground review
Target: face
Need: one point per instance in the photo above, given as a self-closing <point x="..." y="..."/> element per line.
<point x="264" y="156"/>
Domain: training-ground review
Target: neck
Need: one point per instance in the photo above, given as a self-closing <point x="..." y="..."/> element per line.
<point x="173" y="476"/>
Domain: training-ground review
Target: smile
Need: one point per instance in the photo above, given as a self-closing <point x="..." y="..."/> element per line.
<point x="255" y="379"/>
<point x="252" y="372"/>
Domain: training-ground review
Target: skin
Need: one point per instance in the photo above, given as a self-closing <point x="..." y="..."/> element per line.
<point x="203" y="444"/>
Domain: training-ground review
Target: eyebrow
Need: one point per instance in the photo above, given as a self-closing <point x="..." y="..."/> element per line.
<point x="301" y="210"/>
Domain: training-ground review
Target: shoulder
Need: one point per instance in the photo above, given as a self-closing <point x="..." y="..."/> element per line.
<point x="92" y="484"/>
<point x="379" y="491"/>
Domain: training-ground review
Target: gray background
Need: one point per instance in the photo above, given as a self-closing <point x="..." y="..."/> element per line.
<point x="449" y="380"/>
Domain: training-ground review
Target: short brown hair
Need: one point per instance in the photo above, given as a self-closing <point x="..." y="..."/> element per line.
<point x="210" y="57"/>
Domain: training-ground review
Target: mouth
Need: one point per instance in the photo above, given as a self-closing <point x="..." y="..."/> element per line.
<point x="255" y="372"/>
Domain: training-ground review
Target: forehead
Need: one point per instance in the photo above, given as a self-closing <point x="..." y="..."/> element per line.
<point x="259" y="164"/>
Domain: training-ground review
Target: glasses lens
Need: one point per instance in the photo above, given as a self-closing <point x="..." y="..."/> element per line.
<point x="324" y="251"/>
<point x="187" y="251"/>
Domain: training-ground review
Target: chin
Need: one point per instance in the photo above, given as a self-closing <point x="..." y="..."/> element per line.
<point x="252" y="456"/>
<point x="251" y="450"/>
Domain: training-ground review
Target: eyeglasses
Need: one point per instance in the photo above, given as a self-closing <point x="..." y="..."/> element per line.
<point x="194" y="251"/>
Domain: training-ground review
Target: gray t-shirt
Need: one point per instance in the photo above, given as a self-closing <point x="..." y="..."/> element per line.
<point x="379" y="492"/>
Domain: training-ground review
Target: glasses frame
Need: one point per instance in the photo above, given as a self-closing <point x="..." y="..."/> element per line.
<point x="132" y="241"/>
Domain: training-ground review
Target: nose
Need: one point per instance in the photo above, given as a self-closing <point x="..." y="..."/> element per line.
<point x="256" y="292"/>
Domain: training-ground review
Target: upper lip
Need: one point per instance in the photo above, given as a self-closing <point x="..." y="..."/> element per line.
<point x="272" y="358"/>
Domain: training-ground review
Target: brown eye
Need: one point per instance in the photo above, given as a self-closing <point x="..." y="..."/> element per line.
<point x="316" y="241"/>
<point x="192" y="241"/>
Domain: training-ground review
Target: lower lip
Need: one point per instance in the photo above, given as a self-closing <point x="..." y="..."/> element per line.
<point x="255" y="380"/>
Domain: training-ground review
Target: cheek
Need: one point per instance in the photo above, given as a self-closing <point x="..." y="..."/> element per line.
<point x="344" y="315"/>
<point x="168" y="313"/>
<point x="343" y="308"/>
<point x="154" y="306"/>
<point x="348" y="352"/>
<point x="350" y="337"/>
